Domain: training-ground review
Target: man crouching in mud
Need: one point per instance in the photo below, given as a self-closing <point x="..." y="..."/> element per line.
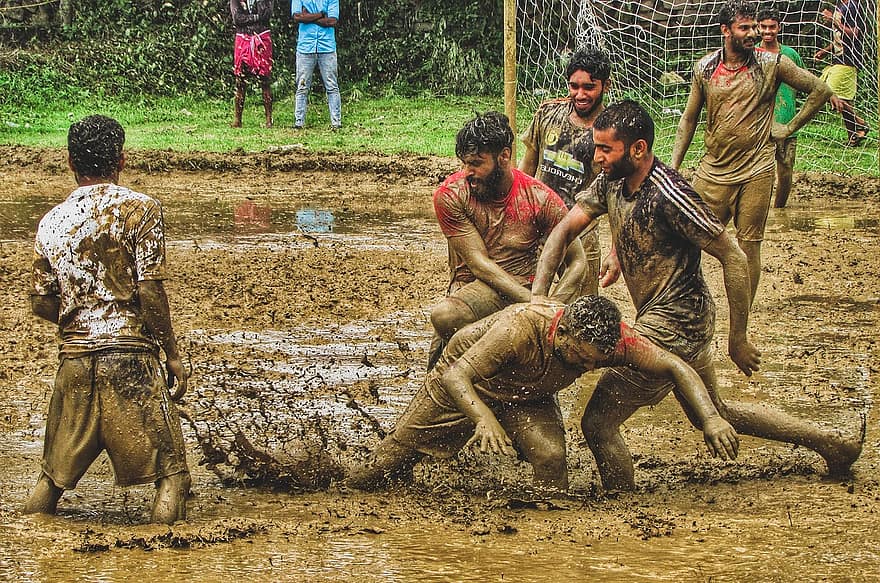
<point x="495" y="382"/>
<point x="660" y="227"/>
<point x="98" y="268"/>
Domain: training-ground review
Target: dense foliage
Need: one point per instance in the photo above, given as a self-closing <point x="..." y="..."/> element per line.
<point x="172" y="47"/>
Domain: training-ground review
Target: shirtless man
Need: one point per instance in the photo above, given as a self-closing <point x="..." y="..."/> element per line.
<point x="495" y="384"/>
<point x="494" y="218"/>
<point x="559" y="142"/>
<point x="737" y="85"/>
<point x="660" y="227"/>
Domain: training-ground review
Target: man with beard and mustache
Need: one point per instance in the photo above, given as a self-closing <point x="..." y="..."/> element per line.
<point x="738" y="84"/>
<point x="495" y="218"/>
<point x="660" y="226"/>
<point x="559" y="142"/>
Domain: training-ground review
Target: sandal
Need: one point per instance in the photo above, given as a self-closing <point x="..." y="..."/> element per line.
<point x="859" y="137"/>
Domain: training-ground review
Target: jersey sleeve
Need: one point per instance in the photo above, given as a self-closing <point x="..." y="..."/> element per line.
<point x="451" y="213"/>
<point x="594" y="200"/>
<point x="148" y="236"/>
<point x="553" y="210"/>
<point x="689" y="216"/>
<point x="43" y="280"/>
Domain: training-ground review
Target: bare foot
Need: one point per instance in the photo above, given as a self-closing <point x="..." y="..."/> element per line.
<point x="235" y="124"/>
<point x="842" y="453"/>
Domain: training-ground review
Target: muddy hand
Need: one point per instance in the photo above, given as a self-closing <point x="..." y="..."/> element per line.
<point x="176" y="373"/>
<point x="721" y="438"/>
<point x="610" y="270"/>
<point x="491" y="437"/>
<point x="746" y="357"/>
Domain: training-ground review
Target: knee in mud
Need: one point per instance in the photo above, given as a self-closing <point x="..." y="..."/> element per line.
<point x="447" y="318"/>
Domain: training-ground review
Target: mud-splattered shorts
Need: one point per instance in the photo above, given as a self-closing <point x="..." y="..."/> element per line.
<point x="748" y="203"/>
<point x="116" y="401"/>
<point x="439" y="430"/>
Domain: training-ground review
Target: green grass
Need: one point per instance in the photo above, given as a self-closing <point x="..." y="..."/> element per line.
<point x="387" y="124"/>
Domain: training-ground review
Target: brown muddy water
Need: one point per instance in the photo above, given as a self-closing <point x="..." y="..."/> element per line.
<point x="300" y="291"/>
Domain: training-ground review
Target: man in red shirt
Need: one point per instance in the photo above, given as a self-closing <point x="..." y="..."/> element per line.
<point x="495" y="219"/>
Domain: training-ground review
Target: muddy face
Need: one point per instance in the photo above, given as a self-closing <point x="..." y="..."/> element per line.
<point x="307" y="344"/>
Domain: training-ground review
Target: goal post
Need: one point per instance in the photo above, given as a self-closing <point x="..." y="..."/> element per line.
<point x="653" y="45"/>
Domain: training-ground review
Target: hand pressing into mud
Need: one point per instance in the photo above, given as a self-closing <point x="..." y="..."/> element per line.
<point x="176" y="373"/>
<point x="610" y="270"/>
<point x="721" y="438"/>
<point x="491" y="437"/>
<point x="745" y="356"/>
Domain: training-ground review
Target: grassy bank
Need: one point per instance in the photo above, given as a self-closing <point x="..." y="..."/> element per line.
<point x="390" y="124"/>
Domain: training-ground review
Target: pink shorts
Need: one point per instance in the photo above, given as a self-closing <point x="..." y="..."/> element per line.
<point x="255" y="51"/>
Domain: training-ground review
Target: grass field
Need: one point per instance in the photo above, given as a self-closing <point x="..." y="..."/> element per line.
<point x="389" y="124"/>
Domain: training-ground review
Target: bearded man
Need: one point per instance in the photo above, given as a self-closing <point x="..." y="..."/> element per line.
<point x="495" y="219"/>
<point x="559" y="142"/>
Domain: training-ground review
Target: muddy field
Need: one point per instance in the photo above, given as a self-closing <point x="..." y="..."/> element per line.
<point x="301" y="285"/>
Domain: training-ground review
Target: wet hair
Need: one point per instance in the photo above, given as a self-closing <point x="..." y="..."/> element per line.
<point x="592" y="60"/>
<point x="769" y="13"/>
<point x="488" y="132"/>
<point x="95" y="146"/>
<point x="733" y="9"/>
<point x="629" y="120"/>
<point x="593" y="319"/>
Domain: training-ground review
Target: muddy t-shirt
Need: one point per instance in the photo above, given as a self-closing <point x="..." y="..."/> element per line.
<point x="565" y="151"/>
<point x="512" y="228"/>
<point x="512" y="353"/>
<point x="659" y="232"/>
<point x="91" y="251"/>
<point x="739" y="115"/>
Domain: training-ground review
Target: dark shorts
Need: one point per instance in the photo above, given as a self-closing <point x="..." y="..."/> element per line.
<point x="436" y="429"/>
<point x="116" y="401"/>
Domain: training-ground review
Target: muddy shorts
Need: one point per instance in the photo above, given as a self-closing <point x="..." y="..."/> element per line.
<point x="748" y="203"/>
<point x="842" y="80"/>
<point x="628" y="386"/>
<point x="785" y="152"/>
<point x="477" y="298"/>
<point x="439" y="430"/>
<point x="115" y="401"/>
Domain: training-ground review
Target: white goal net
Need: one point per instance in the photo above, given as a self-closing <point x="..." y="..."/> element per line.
<point x="653" y="45"/>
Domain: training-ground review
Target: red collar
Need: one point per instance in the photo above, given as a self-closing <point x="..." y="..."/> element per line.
<point x="551" y="334"/>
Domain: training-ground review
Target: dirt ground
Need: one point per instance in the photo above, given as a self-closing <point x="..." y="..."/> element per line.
<point x="368" y="285"/>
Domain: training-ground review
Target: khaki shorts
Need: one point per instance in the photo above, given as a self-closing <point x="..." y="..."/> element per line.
<point x="747" y="203"/>
<point x="438" y="430"/>
<point x="785" y="152"/>
<point x="842" y="79"/>
<point x="118" y="401"/>
<point x="477" y="298"/>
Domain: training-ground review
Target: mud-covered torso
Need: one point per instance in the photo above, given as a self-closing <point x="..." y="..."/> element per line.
<point x="91" y="251"/>
<point x="565" y="150"/>
<point x="659" y="233"/>
<point x="739" y="106"/>
<point x="512" y="354"/>
<point x="512" y="228"/>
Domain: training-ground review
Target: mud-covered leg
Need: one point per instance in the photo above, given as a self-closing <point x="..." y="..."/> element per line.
<point x="44" y="497"/>
<point x="169" y="504"/>
<point x="390" y="461"/>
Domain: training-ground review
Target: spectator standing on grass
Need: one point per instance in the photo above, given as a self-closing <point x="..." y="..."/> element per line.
<point x="660" y="228"/>
<point x="496" y="382"/>
<point x="98" y="270"/>
<point x="316" y="46"/>
<point x="770" y="25"/>
<point x="253" y="52"/>
<point x="559" y="142"/>
<point x="737" y="86"/>
<point x="495" y="218"/>
<point x="842" y="74"/>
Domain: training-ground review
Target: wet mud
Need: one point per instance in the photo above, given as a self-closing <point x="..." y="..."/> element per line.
<point x="300" y="289"/>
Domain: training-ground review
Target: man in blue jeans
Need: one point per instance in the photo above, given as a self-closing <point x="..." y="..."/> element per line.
<point x="316" y="45"/>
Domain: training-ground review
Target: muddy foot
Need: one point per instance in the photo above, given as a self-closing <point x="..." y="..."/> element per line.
<point x="842" y="453"/>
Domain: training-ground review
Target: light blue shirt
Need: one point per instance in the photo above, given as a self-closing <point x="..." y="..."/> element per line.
<point x="314" y="38"/>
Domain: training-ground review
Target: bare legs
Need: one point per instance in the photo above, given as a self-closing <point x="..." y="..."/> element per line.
<point x="169" y="504"/>
<point x="238" y="104"/>
<point x="752" y="249"/>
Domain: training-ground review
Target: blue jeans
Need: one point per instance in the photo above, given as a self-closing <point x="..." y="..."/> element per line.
<point x="305" y="68"/>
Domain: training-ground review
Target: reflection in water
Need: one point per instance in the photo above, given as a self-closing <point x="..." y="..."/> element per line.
<point x="314" y="221"/>
<point x="252" y="216"/>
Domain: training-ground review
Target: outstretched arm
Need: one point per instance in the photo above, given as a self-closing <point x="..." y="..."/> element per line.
<point x="46" y="307"/>
<point x="558" y="242"/>
<point x="157" y="318"/>
<point x="720" y="436"/>
<point x="472" y="250"/>
<point x="458" y="382"/>
<point x="736" y="284"/>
